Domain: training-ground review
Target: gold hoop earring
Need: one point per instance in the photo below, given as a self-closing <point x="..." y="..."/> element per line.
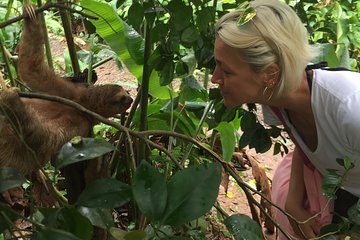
<point x="264" y="92"/>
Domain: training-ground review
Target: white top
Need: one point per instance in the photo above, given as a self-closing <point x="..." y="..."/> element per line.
<point x="335" y="101"/>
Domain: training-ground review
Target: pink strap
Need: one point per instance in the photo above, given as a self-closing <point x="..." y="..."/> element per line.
<point x="307" y="162"/>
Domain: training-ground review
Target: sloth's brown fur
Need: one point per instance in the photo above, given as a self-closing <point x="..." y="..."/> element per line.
<point x="32" y="131"/>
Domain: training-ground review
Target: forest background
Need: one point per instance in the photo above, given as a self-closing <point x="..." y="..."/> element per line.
<point x="178" y="141"/>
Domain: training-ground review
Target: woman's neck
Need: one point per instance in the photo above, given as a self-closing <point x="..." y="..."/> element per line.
<point x="297" y="101"/>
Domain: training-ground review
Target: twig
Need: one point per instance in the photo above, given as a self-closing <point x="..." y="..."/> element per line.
<point x="143" y="136"/>
<point x="45" y="7"/>
<point x="100" y="118"/>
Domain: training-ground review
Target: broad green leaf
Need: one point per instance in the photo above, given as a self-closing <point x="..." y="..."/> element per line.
<point x="190" y="34"/>
<point x="248" y="121"/>
<point x="191" y="193"/>
<point x="227" y="138"/>
<point x="53" y="234"/>
<point x="223" y="113"/>
<point x="180" y="13"/>
<point x="342" y="29"/>
<point x="105" y="193"/>
<point x="327" y="53"/>
<point x="354" y="214"/>
<point x="331" y="182"/>
<point x="125" y="42"/>
<point x="192" y="90"/>
<point x="66" y="219"/>
<point x="111" y="28"/>
<point x="120" y="234"/>
<point x="6" y="214"/>
<point x="157" y="91"/>
<point x="161" y="121"/>
<point x="242" y="227"/>
<point x="83" y="149"/>
<point x="99" y="217"/>
<point x="247" y="137"/>
<point x="10" y="178"/>
<point x="261" y="140"/>
<point x="277" y="147"/>
<point x="345" y="162"/>
<point x="214" y="93"/>
<point x="332" y="228"/>
<point x="167" y="73"/>
<point x="149" y="190"/>
<point x="161" y="232"/>
<point x="195" y="106"/>
<point x="135" y="14"/>
<point x="204" y="18"/>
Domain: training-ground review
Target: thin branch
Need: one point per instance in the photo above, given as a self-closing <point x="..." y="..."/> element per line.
<point x="143" y="136"/>
<point x="99" y="118"/>
<point x="43" y="8"/>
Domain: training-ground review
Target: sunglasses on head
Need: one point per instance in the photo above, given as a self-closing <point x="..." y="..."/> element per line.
<point x="247" y="15"/>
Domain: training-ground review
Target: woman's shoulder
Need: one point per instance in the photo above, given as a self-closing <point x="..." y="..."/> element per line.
<point x="338" y="84"/>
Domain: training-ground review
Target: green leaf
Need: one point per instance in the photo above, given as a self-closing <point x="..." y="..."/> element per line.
<point x="180" y="13"/>
<point x="191" y="193"/>
<point x="345" y="162"/>
<point x="327" y="54"/>
<point x="135" y="14"/>
<point x="66" y="219"/>
<point x="190" y="34"/>
<point x="149" y="190"/>
<point x="242" y="227"/>
<point x="87" y="148"/>
<point x="105" y="193"/>
<point x="195" y="106"/>
<point x="10" y="178"/>
<point x="214" y="93"/>
<point x="125" y="42"/>
<point x="331" y="182"/>
<point x="99" y="217"/>
<point x="248" y="121"/>
<point x="53" y="234"/>
<point x="120" y="234"/>
<point x="112" y="29"/>
<point x="277" y="149"/>
<point x="354" y="214"/>
<point x="227" y="138"/>
<point x="330" y="228"/>
<point x="248" y="136"/>
<point x="204" y="18"/>
<point x="167" y="73"/>
<point x="6" y="214"/>
<point x="261" y="140"/>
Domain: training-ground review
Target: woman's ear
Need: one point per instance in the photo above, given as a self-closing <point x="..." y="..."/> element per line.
<point x="272" y="75"/>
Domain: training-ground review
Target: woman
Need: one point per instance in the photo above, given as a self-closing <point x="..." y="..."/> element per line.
<point x="261" y="55"/>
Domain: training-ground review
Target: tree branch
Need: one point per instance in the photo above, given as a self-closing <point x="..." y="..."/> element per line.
<point x="143" y="136"/>
<point x="45" y="7"/>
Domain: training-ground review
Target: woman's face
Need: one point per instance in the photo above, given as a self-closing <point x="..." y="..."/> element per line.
<point x="238" y="83"/>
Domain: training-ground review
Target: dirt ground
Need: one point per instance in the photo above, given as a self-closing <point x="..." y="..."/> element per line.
<point x="234" y="201"/>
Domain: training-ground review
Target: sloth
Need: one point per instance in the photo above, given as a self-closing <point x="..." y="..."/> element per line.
<point x="32" y="131"/>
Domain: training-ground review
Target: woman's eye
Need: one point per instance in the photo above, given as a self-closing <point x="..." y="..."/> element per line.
<point x="226" y="73"/>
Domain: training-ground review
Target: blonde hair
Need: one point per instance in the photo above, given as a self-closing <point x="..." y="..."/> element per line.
<point x="274" y="35"/>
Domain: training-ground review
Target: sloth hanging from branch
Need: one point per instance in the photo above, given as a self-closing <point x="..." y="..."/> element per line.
<point x="32" y="131"/>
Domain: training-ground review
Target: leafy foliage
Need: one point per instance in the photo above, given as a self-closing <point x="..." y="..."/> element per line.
<point x="181" y="36"/>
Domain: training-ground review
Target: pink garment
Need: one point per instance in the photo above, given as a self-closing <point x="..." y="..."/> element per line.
<point x="315" y="199"/>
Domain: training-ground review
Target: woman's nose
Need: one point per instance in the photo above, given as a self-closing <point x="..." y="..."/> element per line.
<point x="216" y="76"/>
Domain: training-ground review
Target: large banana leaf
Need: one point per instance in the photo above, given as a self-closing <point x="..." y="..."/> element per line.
<point x="124" y="41"/>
